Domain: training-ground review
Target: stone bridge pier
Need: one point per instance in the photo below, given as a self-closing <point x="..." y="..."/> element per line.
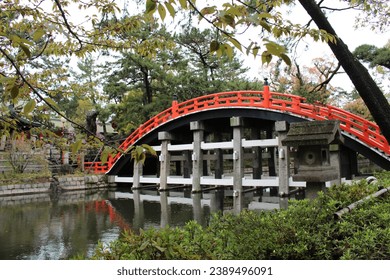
<point x="248" y="156"/>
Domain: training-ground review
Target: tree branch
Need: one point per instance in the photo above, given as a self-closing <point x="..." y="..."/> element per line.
<point x="338" y="9"/>
<point x="67" y="24"/>
<point x="41" y="98"/>
<point x="327" y="81"/>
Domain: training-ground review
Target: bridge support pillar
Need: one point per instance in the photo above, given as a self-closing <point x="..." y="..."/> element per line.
<point x="257" y="156"/>
<point x="197" y="207"/>
<point x="137" y="173"/>
<point x="218" y="158"/>
<point x="334" y="158"/>
<point x="187" y="165"/>
<point x="281" y="127"/>
<point x="165" y="210"/>
<point x="197" y="155"/>
<point x="271" y="158"/>
<point x="238" y="164"/>
<point x="165" y="138"/>
<point x="349" y="164"/>
<point x="139" y="214"/>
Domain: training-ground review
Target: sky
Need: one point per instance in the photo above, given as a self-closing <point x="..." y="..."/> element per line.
<point x="343" y="23"/>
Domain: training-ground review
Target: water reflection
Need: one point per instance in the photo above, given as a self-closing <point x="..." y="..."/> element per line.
<point x="153" y="209"/>
<point x="59" y="227"/>
<point x="40" y="227"/>
<point x="46" y="227"/>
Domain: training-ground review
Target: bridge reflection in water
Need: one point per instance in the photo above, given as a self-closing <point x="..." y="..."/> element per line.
<point x="59" y="227"/>
<point x="178" y="207"/>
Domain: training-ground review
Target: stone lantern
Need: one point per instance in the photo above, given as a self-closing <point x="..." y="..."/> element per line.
<point x="317" y="159"/>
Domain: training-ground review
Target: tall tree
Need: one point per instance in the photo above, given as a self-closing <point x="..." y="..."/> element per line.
<point x="228" y="16"/>
<point x="371" y="94"/>
<point x="31" y="31"/>
<point x="188" y="69"/>
<point x="373" y="55"/>
<point x="311" y="82"/>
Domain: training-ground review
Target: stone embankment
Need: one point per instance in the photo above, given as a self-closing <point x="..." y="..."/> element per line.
<point x="58" y="184"/>
<point x="25" y="188"/>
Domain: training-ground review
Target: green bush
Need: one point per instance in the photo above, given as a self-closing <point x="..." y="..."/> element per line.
<point x="306" y="230"/>
<point x="22" y="178"/>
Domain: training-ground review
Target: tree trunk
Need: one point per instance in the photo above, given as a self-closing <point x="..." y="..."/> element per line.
<point x="369" y="91"/>
<point x="148" y="87"/>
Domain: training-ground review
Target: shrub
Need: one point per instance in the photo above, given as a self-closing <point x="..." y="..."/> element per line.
<point x="306" y="230"/>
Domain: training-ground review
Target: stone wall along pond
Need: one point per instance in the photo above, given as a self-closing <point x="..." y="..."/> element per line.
<point x="61" y="183"/>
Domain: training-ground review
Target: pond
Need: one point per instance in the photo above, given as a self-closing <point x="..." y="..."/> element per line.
<point x="47" y="227"/>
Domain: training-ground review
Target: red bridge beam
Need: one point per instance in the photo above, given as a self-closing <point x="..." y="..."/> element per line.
<point x="364" y="130"/>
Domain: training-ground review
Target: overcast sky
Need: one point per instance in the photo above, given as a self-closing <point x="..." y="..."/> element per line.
<point x="343" y="23"/>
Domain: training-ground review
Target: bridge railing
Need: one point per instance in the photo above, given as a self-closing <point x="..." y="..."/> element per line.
<point x="96" y="167"/>
<point x="359" y="127"/>
<point x="366" y="131"/>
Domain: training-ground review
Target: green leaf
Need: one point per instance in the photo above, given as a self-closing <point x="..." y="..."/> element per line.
<point x="38" y="34"/>
<point x="149" y="149"/>
<point x="14" y="91"/>
<point x="266" y="57"/>
<point x="220" y="52"/>
<point x="25" y="49"/>
<point x="235" y="43"/>
<point x="162" y="12"/>
<point x="104" y="156"/>
<point x="138" y="154"/>
<point x="150" y="6"/>
<point x="228" y="19"/>
<point x="129" y="149"/>
<point x="274" y="48"/>
<point x="249" y="48"/>
<point x="170" y="9"/>
<point x="265" y="26"/>
<point x="214" y="46"/>
<point x="264" y="15"/>
<point x="52" y="103"/>
<point x="286" y="59"/>
<point x="228" y="50"/>
<point x="236" y="11"/>
<point x="208" y="10"/>
<point x="15" y="38"/>
<point x="29" y="107"/>
<point x="144" y="245"/>
<point x="255" y="50"/>
<point x="183" y="4"/>
<point x="76" y="146"/>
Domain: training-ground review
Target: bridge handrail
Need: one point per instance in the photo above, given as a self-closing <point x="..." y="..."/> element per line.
<point x="364" y="130"/>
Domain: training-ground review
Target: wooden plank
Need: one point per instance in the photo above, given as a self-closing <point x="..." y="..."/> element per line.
<point x="269" y="182"/>
<point x="204" y="181"/>
<point x="217" y="145"/>
<point x="118" y="179"/>
<point x="175" y="188"/>
<point x="147" y="187"/>
<point x="260" y="143"/>
<point x="179" y="180"/>
<point x="149" y="180"/>
<point x="181" y="147"/>
<point x="208" y="189"/>
<point x="297" y="184"/>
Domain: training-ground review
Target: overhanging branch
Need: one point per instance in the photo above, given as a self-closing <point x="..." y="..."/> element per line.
<point x="42" y="99"/>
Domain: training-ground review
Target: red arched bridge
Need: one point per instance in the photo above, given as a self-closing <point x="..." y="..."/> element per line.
<point x="361" y="135"/>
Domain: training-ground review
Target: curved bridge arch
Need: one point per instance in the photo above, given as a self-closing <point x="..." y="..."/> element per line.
<point x="361" y="135"/>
